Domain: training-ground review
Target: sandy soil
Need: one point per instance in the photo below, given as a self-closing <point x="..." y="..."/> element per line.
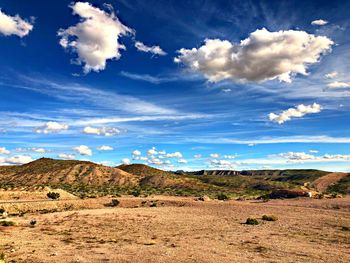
<point x="184" y="230"/>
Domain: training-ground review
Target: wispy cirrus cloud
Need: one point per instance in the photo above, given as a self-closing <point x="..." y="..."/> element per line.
<point x="155" y="50"/>
<point x="272" y="140"/>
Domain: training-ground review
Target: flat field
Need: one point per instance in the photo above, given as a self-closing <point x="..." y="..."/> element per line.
<point x="179" y="229"/>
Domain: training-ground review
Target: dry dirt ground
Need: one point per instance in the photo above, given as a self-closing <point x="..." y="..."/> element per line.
<point x="183" y="230"/>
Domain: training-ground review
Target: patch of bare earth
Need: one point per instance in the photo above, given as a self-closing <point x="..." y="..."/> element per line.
<point x="321" y="184"/>
<point x="184" y="230"/>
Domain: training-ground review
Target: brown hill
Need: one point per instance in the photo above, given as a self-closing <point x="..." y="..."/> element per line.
<point x="324" y="182"/>
<point x="47" y="171"/>
<point x="153" y="177"/>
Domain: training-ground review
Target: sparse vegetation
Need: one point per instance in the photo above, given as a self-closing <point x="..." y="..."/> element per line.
<point x="32" y="222"/>
<point x="7" y="223"/>
<point x="53" y="195"/>
<point x="251" y="221"/>
<point x="269" y="218"/>
<point x="115" y="202"/>
<point x="222" y="197"/>
<point x="345" y="228"/>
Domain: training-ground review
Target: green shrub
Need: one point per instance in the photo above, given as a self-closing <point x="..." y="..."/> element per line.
<point x="136" y="192"/>
<point x="252" y="221"/>
<point x="7" y="223"/>
<point x="115" y="202"/>
<point x="53" y="195"/>
<point x="345" y="228"/>
<point x="153" y="204"/>
<point x="269" y="218"/>
<point x="222" y="196"/>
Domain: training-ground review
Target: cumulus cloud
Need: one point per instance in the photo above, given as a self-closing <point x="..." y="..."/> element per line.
<point x="229" y="156"/>
<point x="83" y="150"/>
<point x="52" y="127"/>
<point x="331" y="75"/>
<point x="155" y="161"/>
<point x="319" y="22"/>
<point x="223" y="164"/>
<point x="16" y="160"/>
<point x="66" y="156"/>
<point x="152" y="151"/>
<point x="105" y="131"/>
<point x="126" y="161"/>
<point x="105" y="148"/>
<point x="214" y="155"/>
<point x="262" y="56"/>
<point x="3" y="150"/>
<point x="174" y="155"/>
<point x="338" y="85"/>
<point x="136" y="153"/>
<point x="156" y="50"/>
<point x="313" y="151"/>
<point x="297" y="112"/>
<point x="95" y="38"/>
<point x="14" y="25"/>
<point x="182" y="161"/>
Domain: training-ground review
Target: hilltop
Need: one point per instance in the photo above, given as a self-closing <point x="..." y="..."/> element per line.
<point x="53" y="172"/>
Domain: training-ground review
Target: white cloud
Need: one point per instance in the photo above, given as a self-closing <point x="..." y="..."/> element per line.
<point x="136" y="153"/>
<point x="303" y="157"/>
<point x="14" y="25"/>
<point x="66" y="156"/>
<point x="105" y="148"/>
<point x="337" y="85"/>
<point x="274" y="140"/>
<point x="223" y="164"/>
<point x="37" y="150"/>
<point x="152" y="151"/>
<point x="226" y="90"/>
<point x="197" y="156"/>
<point x="262" y="56"/>
<point x="331" y="75"/>
<point x="3" y="150"/>
<point x="298" y="156"/>
<point x="175" y="154"/>
<point x="126" y="161"/>
<point x="297" y="112"/>
<point x="214" y="155"/>
<point x="83" y="150"/>
<point x="16" y="160"/>
<point x="182" y="161"/>
<point x="156" y="50"/>
<point x="105" y="131"/>
<point x="319" y="22"/>
<point x="313" y="151"/>
<point x="52" y="127"/>
<point x="229" y="156"/>
<point x="95" y="38"/>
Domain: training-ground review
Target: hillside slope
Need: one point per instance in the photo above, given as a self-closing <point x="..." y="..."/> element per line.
<point x="323" y="183"/>
<point x="152" y="177"/>
<point x="52" y="172"/>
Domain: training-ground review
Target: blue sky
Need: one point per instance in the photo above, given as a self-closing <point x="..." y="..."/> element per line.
<point x="176" y="84"/>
